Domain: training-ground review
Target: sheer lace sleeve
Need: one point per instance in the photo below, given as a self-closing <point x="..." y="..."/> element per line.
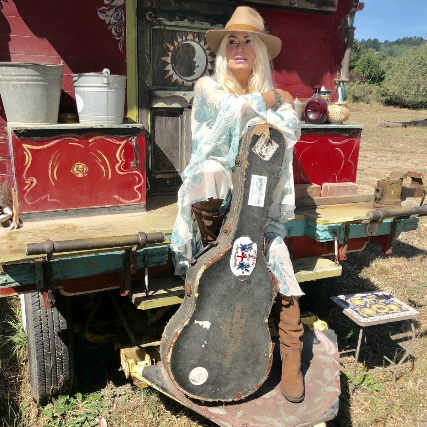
<point x="283" y="206"/>
<point x="217" y="121"/>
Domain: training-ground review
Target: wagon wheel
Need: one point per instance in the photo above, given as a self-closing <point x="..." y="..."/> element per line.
<point x="50" y="347"/>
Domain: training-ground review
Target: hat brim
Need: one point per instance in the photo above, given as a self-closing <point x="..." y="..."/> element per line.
<point x="273" y="43"/>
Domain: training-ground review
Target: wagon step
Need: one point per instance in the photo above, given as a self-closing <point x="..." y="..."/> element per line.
<point x="315" y="268"/>
<point x="170" y="290"/>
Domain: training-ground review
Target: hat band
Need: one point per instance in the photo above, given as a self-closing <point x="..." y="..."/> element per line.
<point x="243" y="27"/>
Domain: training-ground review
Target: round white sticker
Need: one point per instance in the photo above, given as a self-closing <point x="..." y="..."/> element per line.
<point x="243" y="256"/>
<point x="198" y="376"/>
<point x="79" y="102"/>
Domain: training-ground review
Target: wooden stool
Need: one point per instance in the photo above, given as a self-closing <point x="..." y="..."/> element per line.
<point x="375" y="308"/>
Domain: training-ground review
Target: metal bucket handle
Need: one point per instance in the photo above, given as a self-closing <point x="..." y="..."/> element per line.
<point x="106" y="73"/>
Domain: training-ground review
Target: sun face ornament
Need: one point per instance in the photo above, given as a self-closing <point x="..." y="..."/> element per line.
<point x="188" y="59"/>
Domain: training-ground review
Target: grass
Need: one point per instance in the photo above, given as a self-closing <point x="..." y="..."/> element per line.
<point x="403" y="273"/>
<point x="375" y="402"/>
<point x="13" y="373"/>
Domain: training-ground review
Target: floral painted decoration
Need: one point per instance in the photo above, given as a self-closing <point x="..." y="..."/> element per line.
<point x="114" y="16"/>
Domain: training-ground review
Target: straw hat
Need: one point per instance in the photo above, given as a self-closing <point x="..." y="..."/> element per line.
<point x="245" y="19"/>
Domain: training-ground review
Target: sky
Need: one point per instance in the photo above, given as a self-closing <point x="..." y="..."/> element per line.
<point x="391" y="20"/>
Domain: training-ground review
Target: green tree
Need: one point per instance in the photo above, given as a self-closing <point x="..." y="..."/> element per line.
<point x="396" y="48"/>
<point x="370" y="67"/>
<point x="374" y="44"/>
<point x="405" y="83"/>
<point x="356" y="52"/>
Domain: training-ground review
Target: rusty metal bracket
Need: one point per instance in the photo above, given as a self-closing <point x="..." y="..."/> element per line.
<point x="342" y="252"/>
<point x="130" y="268"/>
<point x="43" y="273"/>
<point x="393" y="228"/>
<point x="424" y="196"/>
<point x="132" y="259"/>
<point x="336" y="260"/>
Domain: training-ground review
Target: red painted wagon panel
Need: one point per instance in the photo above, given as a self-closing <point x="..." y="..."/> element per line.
<point x="71" y="171"/>
<point x="5" y="167"/>
<point x="77" y="33"/>
<point x="326" y="157"/>
<point x="313" y="46"/>
<point x="4" y="149"/>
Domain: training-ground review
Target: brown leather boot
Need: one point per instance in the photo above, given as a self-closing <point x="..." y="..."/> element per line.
<point x="209" y="218"/>
<point x="290" y="333"/>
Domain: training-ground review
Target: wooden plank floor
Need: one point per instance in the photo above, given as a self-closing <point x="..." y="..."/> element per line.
<point x="160" y="216"/>
<point x="335" y="214"/>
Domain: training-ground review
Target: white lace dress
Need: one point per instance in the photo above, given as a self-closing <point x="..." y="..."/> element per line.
<point x="218" y="122"/>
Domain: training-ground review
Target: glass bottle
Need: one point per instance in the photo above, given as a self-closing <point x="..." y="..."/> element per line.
<point x="298" y="107"/>
<point x="316" y="108"/>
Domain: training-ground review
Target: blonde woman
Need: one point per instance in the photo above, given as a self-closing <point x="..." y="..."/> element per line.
<point x="242" y="94"/>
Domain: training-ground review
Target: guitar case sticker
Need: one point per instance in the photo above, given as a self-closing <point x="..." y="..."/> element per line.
<point x="243" y="256"/>
<point x="198" y="376"/>
<point x="257" y="190"/>
<point x="265" y="147"/>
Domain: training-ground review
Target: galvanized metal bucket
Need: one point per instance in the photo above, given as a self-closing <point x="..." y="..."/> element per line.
<point x="100" y="97"/>
<point x="31" y="92"/>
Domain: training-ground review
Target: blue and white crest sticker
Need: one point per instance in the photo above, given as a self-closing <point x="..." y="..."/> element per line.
<point x="243" y="256"/>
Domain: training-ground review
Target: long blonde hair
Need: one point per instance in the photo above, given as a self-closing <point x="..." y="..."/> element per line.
<point x="261" y="79"/>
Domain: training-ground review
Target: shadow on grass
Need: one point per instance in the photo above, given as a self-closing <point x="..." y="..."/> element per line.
<point x="390" y="339"/>
<point x="343" y="419"/>
<point x="357" y="261"/>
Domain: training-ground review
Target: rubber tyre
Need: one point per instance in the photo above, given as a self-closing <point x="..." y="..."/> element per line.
<point x="50" y="347"/>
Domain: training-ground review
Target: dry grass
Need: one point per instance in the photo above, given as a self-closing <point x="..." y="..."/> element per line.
<point x="404" y="274"/>
<point x="375" y="402"/>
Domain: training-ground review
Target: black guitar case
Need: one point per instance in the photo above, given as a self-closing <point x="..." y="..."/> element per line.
<point x="217" y="346"/>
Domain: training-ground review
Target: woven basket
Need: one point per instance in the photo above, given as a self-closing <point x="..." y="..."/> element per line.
<point x="338" y="112"/>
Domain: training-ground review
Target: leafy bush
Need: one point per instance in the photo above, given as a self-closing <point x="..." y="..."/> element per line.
<point x="370" y="67"/>
<point x="353" y="77"/>
<point x="363" y="92"/>
<point x="405" y="84"/>
<point x="356" y="53"/>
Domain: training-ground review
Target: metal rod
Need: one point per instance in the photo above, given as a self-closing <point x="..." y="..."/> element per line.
<point x="147" y="290"/>
<point x="89" y="318"/>
<point x="140" y="240"/>
<point x="122" y="317"/>
<point x="348" y="351"/>
<point x="394" y="366"/>
<point x="356" y="358"/>
<point x="380" y="214"/>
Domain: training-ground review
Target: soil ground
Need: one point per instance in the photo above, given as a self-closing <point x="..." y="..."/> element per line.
<point x="374" y="402"/>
